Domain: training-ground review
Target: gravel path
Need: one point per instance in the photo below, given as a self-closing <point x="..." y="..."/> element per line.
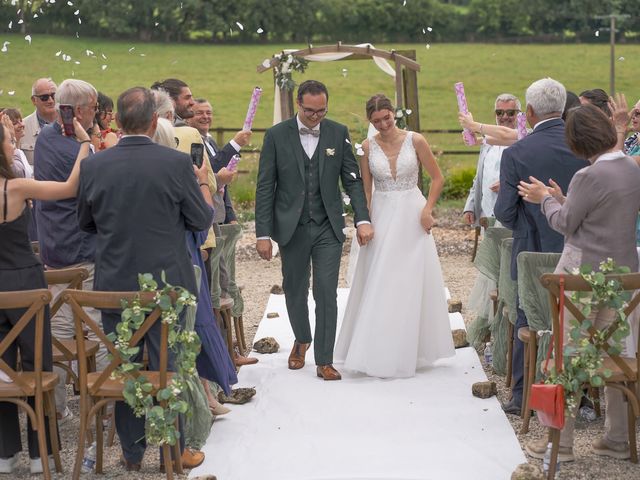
<point x="257" y="277"/>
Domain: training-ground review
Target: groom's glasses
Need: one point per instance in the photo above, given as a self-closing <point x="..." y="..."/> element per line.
<point x="310" y="112"/>
<point x="508" y="113"/>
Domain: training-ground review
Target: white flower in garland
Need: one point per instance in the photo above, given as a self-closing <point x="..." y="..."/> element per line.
<point x="284" y="69"/>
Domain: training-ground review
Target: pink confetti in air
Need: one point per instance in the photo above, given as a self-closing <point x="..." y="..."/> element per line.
<point x="77" y="12"/>
<point x="260" y="30"/>
<point x="11" y="93"/>
<point x="467" y="135"/>
<point x="240" y="26"/>
<point x="10" y="24"/>
<point x="104" y="67"/>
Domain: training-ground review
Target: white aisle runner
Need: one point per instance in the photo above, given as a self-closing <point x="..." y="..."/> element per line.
<point x="299" y="427"/>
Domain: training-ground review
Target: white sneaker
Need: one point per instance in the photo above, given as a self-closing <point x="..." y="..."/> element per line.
<point x="8" y="464"/>
<point x="35" y="465"/>
<point x="65" y="416"/>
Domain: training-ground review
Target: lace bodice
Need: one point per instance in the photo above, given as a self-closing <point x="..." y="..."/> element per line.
<point x="406" y="166"/>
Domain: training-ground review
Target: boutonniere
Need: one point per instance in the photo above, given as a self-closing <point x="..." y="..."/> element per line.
<point x="330" y="152"/>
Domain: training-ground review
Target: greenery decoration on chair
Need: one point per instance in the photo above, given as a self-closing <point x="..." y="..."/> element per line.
<point x="287" y="65"/>
<point x="160" y="426"/>
<point x="582" y="358"/>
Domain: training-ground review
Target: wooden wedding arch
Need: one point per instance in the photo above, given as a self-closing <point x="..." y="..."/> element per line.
<point x="406" y="79"/>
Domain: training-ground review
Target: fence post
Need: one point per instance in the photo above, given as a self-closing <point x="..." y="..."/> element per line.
<point x="220" y="137"/>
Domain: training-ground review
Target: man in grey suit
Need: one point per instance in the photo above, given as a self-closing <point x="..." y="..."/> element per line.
<point x="484" y="191"/>
<point x="543" y="154"/>
<point x="140" y="198"/>
<point x="298" y="204"/>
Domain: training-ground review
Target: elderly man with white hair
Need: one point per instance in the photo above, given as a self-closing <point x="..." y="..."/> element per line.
<point x="542" y="154"/>
<point x="43" y="95"/>
<point x="62" y="243"/>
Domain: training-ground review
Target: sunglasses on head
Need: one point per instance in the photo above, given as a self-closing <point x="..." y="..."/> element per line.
<point x="45" y="97"/>
<point x="509" y="113"/>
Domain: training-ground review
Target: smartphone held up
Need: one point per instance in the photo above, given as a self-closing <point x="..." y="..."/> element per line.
<point x="66" y="115"/>
<point x="197" y="154"/>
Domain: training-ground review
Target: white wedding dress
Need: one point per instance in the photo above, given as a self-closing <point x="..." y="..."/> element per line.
<point x="396" y="319"/>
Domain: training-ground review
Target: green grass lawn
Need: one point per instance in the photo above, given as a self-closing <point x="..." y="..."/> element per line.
<point x="227" y="74"/>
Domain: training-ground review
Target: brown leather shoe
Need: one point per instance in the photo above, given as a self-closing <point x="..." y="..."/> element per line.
<point x="296" y="358"/>
<point x="327" y="372"/>
<point x="241" y="360"/>
<point x="190" y="459"/>
<point x="129" y="466"/>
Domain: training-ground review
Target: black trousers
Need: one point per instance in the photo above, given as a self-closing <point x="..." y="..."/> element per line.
<point x="13" y="280"/>
<point x="129" y="427"/>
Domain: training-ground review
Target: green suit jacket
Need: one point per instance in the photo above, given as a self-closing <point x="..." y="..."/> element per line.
<point x="280" y="191"/>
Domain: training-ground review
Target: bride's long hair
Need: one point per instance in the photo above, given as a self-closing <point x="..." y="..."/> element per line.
<point x="378" y="102"/>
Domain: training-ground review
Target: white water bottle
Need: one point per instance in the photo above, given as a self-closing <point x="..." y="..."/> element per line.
<point x="488" y="354"/>
<point x="89" y="460"/>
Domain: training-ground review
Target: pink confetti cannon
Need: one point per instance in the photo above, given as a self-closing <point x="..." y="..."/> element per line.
<point x="467" y="135"/>
<point x="233" y="163"/>
<point x="253" y="107"/>
<point x="521" y="125"/>
<point x="231" y="166"/>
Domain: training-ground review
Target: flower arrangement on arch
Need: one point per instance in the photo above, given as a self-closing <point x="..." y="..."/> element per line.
<point x="287" y="65"/>
<point x="401" y="117"/>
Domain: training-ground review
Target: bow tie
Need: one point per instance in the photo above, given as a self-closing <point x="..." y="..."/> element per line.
<point x="309" y="131"/>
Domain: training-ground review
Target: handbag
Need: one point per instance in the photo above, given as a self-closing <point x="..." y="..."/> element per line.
<point x="548" y="399"/>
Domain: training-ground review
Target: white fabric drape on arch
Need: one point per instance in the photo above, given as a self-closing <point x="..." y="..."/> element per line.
<point x="329" y="57"/>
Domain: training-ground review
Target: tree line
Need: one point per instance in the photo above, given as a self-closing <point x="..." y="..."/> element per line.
<point x="307" y="21"/>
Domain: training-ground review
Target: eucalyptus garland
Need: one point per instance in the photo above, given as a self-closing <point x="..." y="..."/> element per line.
<point x="160" y="428"/>
<point x="287" y="65"/>
<point x="583" y="355"/>
<point x="401" y="117"/>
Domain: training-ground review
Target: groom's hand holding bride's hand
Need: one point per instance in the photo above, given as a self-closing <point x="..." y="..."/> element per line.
<point x="264" y="248"/>
<point x="364" y="232"/>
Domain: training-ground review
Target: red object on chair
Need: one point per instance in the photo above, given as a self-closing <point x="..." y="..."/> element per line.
<point x="548" y="399"/>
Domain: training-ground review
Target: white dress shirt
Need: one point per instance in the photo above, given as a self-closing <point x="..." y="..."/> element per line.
<point x="309" y="142"/>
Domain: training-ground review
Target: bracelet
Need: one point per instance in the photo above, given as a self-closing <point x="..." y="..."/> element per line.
<point x="204" y="185"/>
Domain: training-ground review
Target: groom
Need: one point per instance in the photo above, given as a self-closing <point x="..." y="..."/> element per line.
<point x="299" y="205"/>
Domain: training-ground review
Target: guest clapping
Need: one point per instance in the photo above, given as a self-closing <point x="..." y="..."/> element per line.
<point x="597" y="218"/>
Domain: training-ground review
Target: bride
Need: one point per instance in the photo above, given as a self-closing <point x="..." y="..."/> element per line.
<point x="396" y="319"/>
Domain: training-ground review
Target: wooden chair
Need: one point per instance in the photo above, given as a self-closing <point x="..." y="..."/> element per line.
<point x="231" y="234"/>
<point x="221" y="310"/>
<point x="533" y="299"/>
<point x="624" y="370"/>
<point x="98" y="389"/>
<point x="483" y="222"/>
<point x="37" y="384"/>
<point x="65" y="350"/>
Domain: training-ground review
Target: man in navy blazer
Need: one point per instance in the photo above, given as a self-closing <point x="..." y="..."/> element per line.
<point x="543" y="154"/>
<point x="140" y="198"/>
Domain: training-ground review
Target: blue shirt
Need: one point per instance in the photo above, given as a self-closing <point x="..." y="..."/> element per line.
<point x="62" y="243"/>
